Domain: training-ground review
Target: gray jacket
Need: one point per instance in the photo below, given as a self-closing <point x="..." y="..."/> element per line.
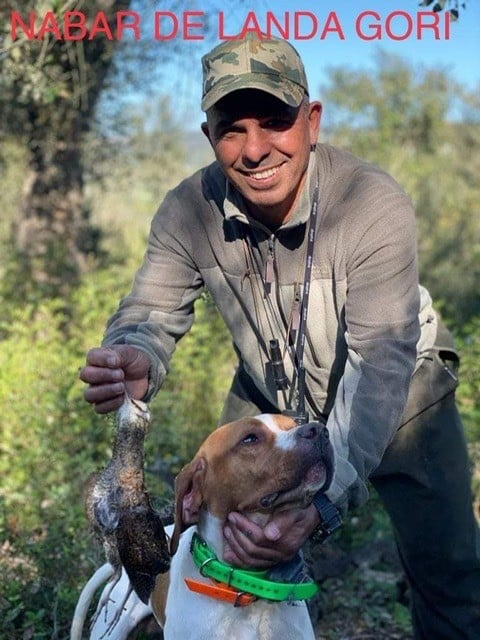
<point x="369" y="323"/>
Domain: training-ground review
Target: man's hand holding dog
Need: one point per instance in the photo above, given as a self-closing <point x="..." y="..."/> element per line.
<point x="251" y="546"/>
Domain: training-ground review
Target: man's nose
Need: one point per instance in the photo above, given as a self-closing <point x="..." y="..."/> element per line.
<point x="256" y="146"/>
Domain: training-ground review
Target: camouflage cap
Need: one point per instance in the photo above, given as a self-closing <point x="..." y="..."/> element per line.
<point x="266" y="63"/>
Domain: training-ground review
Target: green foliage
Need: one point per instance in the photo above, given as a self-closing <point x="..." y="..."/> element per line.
<point x="394" y="105"/>
<point x="362" y="579"/>
<point x="150" y="159"/>
<point x="12" y="172"/>
<point x="469" y="397"/>
<point x="451" y="6"/>
<point x="363" y="604"/>
<point x="57" y="78"/>
<point x="52" y="441"/>
<point x="49" y="90"/>
<point x="48" y="439"/>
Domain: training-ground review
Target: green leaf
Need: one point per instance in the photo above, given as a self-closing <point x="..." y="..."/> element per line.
<point x="439" y="6"/>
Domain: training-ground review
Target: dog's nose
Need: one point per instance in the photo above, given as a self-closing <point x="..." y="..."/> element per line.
<point x="313" y="431"/>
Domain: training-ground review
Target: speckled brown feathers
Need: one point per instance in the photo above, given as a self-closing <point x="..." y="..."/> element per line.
<point x="119" y="510"/>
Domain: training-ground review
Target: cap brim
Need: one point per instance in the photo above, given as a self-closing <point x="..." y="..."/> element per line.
<point x="282" y="88"/>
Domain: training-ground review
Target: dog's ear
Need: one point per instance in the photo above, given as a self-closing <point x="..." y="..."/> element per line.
<point x="188" y="497"/>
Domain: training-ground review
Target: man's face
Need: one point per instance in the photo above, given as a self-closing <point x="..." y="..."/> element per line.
<point x="263" y="147"/>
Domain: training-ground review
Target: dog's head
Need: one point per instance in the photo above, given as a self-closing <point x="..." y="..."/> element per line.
<point x="254" y="465"/>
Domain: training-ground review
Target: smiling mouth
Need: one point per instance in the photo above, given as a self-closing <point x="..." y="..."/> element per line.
<point x="263" y="175"/>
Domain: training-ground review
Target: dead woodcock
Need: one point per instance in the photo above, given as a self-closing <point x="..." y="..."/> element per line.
<point x="119" y="509"/>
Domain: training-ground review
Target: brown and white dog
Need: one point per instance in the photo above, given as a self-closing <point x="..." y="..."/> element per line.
<point x="256" y="466"/>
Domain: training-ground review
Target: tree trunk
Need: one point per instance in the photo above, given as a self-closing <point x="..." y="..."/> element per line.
<point x="52" y="238"/>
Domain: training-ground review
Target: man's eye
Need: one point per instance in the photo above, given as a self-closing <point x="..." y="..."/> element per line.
<point x="251" y="438"/>
<point x="278" y="124"/>
<point x="227" y="131"/>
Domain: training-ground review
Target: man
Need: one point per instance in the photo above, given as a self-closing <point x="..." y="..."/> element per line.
<point x="280" y="229"/>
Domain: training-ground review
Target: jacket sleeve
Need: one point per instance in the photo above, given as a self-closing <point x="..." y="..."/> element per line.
<point x="382" y="330"/>
<point x="160" y="307"/>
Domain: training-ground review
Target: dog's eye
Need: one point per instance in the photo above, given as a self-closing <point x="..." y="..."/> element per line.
<point x="251" y="438"/>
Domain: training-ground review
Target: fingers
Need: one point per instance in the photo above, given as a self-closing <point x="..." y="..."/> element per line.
<point x="103" y="367"/>
<point x="113" y="371"/>
<point x="105" y="378"/>
<point x="113" y="404"/>
<point x="105" y="397"/>
<point x="120" y="356"/>
<point x="104" y="357"/>
<point x="247" y="546"/>
<point x="101" y="375"/>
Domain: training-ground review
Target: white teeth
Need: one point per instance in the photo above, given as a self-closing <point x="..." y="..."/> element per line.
<point x="261" y="175"/>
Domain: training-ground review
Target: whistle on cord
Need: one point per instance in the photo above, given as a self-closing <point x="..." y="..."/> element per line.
<point x="278" y="369"/>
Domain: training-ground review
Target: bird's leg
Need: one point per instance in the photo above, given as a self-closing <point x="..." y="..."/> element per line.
<point x="118" y="612"/>
<point x="105" y="598"/>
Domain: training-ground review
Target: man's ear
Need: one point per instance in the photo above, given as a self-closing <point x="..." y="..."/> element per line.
<point x="314" y="117"/>
<point x="206" y="131"/>
<point x="188" y="497"/>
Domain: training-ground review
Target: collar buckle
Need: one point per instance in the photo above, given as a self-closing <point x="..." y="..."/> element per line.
<point x="220" y="591"/>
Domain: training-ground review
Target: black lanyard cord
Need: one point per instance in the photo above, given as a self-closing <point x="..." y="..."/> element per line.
<point x="301" y="415"/>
